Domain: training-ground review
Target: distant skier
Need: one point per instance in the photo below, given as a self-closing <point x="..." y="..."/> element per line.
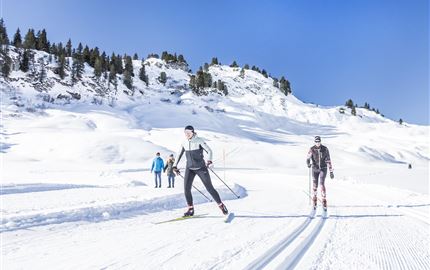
<point x="157" y="167"/>
<point x="320" y="157"/>
<point x="193" y="147"/>
<point x="169" y="168"/>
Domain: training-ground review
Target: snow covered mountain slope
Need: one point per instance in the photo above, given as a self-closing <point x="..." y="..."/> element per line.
<point x="77" y="192"/>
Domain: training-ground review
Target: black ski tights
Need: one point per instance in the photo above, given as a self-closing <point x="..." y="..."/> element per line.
<point x="203" y="173"/>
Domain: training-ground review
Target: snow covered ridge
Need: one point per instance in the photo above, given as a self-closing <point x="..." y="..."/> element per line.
<point x="41" y="87"/>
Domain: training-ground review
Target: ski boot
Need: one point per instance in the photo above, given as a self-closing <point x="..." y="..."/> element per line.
<point x="190" y="212"/>
<point x="223" y="208"/>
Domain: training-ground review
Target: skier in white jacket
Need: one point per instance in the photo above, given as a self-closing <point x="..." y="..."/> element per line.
<point x="193" y="147"/>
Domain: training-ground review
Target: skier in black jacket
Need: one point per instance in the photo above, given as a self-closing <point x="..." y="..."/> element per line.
<point x="193" y="148"/>
<point x="319" y="159"/>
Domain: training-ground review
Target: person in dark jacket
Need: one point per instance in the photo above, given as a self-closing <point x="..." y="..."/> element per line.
<point x="157" y="167"/>
<point x="170" y="173"/>
<point x="193" y="147"/>
<point x="319" y="159"/>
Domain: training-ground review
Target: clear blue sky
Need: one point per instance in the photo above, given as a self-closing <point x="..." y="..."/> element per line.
<point x="374" y="51"/>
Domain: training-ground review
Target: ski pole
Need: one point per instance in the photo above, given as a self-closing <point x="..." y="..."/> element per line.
<point x="224" y="183"/>
<point x="309" y="185"/>
<point x="196" y="188"/>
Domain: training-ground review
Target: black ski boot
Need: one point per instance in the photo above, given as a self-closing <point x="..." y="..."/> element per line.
<point x="190" y="212"/>
<point x="223" y="209"/>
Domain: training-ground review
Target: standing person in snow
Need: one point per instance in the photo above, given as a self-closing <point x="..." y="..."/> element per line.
<point x="170" y="174"/>
<point x="157" y="167"/>
<point x="320" y="157"/>
<point x="193" y="147"/>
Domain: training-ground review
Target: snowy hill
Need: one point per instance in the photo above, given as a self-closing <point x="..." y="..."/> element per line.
<point x="76" y="181"/>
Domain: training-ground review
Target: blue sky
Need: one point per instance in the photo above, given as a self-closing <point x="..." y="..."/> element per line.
<point x="374" y="51"/>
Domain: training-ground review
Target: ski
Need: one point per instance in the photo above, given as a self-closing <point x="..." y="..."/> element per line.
<point x="229" y="217"/>
<point x="181" y="218"/>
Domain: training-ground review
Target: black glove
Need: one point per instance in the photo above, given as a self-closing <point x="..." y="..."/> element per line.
<point x="176" y="170"/>
<point x="309" y="165"/>
<point x="208" y="163"/>
<point x="331" y="175"/>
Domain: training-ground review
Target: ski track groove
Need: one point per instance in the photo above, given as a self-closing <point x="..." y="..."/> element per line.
<point x="295" y="256"/>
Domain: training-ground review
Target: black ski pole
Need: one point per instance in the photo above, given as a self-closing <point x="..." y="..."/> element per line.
<point x="224" y="183"/>
<point x="196" y="189"/>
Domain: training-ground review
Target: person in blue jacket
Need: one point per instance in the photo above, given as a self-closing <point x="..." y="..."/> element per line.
<point x="157" y="167"/>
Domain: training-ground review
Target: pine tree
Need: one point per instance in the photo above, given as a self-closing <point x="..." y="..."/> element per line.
<point x="284" y="86"/>
<point x="246" y="66"/>
<point x="214" y="61"/>
<point x="142" y="74"/>
<point x="163" y="78"/>
<point x="127" y="79"/>
<point x="181" y="59"/>
<point x="112" y="76"/>
<point x="222" y="87"/>
<point x="30" y="40"/>
<point x="349" y="103"/>
<point x="5" y="63"/>
<point x="275" y="82"/>
<point x="193" y="83"/>
<point x="42" y="41"/>
<point x="129" y="65"/>
<point x="119" y="69"/>
<point x="86" y="55"/>
<point x="24" y="64"/>
<point x="206" y="67"/>
<point x="353" y="111"/>
<point x="17" y="40"/>
<point x="135" y="56"/>
<point x="207" y="78"/>
<point x="69" y="48"/>
<point x="400" y="121"/>
<point x="42" y="73"/>
<point x="61" y="67"/>
<point x="98" y="69"/>
<point x="242" y="73"/>
<point x="4" y="39"/>
<point x="234" y="64"/>
<point x="264" y="72"/>
<point x="94" y="55"/>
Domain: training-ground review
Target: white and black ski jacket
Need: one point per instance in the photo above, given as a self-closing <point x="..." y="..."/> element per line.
<point x="193" y="149"/>
<point x="320" y="157"/>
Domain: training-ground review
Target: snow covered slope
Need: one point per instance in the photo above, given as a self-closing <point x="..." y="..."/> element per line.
<point x="77" y="192"/>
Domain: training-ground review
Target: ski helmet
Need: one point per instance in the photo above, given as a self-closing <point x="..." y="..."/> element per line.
<point x="317" y="139"/>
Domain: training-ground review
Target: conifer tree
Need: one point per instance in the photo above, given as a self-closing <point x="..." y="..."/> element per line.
<point x="17" y="40"/>
<point x="30" y="40"/>
<point x="234" y="64"/>
<point x="24" y="64"/>
<point x="69" y="48"/>
<point x="163" y="77"/>
<point x="4" y="39"/>
<point x="142" y="74"/>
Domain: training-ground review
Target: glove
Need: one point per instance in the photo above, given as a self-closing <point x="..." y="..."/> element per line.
<point x="208" y="163"/>
<point x="309" y="165"/>
<point x="176" y="170"/>
<point x="331" y="175"/>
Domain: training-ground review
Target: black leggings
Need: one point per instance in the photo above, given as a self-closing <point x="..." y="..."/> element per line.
<point x="203" y="173"/>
